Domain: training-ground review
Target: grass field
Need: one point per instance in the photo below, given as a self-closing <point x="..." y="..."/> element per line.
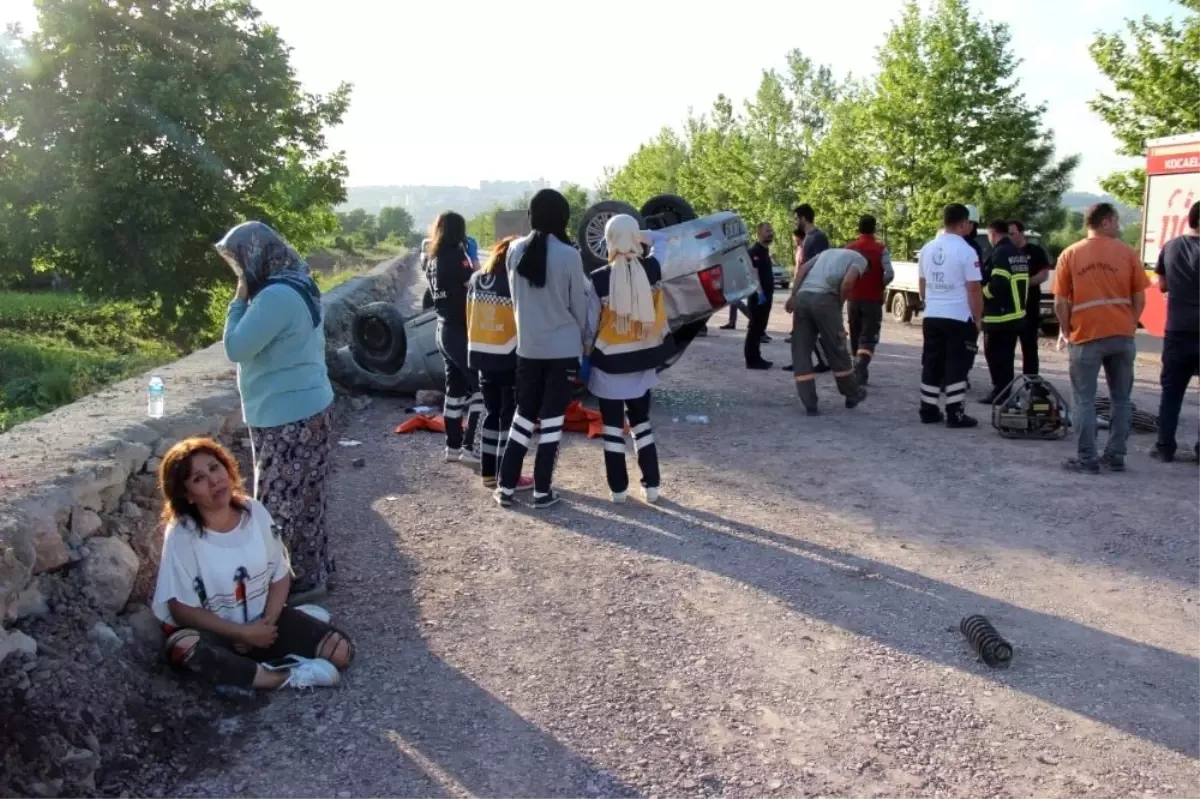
<point x="55" y="348"/>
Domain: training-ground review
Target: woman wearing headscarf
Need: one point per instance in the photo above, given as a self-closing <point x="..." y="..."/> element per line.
<point x="448" y="267"/>
<point x="274" y="332"/>
<point x="550" y="294"/>
<point x="630" y="320"/>
<point x="492" y="354"/>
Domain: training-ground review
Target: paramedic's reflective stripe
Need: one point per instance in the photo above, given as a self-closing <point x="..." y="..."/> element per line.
<point x="1096" y="303"/>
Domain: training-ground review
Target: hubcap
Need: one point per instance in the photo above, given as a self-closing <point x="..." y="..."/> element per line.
<point x="594" y="235"/>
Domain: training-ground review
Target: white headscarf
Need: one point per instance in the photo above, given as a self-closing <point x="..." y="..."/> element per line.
<point x="629" y="294"/>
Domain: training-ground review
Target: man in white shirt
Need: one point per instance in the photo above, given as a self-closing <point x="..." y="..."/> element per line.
<point x="952" y="298"/>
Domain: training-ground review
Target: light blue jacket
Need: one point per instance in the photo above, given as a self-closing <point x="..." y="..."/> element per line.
<point x="280" y="357"/>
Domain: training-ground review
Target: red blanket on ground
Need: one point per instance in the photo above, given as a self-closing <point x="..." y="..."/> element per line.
<point x="579" y="420"/>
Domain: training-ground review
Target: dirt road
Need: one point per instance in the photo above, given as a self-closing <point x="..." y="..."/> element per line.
<point x="784" y="624"/>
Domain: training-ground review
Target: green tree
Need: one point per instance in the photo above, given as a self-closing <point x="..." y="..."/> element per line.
<point x="1155" y="72"/>
<point x="137" y="132"/>
<point x="396" y="222"/>
<point x="577" y="198"/>
<point x="653" y="169"/>
<point x="949" y="123"/>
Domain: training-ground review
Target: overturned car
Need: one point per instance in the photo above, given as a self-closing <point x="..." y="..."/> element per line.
<point x="705" y="267"/>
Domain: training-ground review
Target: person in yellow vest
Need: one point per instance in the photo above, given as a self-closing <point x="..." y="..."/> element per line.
<point x="492" y="354"/>
<point x="630" y="320"/>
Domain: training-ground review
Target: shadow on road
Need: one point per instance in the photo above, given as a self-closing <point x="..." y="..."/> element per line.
<point x="1104" y="677"/>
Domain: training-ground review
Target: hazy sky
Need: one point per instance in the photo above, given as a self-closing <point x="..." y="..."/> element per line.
<point x="456" y="92"/>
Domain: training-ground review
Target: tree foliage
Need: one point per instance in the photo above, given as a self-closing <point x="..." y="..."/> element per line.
<point x="1155" y="71"/>
<point x="944" y="120"/>
<point x="136" y="132"/>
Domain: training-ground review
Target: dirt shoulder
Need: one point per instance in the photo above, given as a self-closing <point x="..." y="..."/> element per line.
<point x="785" y="623"/>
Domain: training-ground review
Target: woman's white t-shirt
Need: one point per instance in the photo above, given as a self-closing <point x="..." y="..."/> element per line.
<point x="225" y="573"/>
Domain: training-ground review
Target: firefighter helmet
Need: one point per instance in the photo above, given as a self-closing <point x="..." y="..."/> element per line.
<point x="1031" y="407"/>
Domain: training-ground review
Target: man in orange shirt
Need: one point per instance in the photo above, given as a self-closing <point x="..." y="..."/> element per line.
<point x="1099" y="294"/>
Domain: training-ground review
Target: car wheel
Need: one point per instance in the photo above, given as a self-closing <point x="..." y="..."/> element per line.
<point x="377" y="338"/>
<point x="591" y="231"/>
<point x="901" y="312"/>
<point x="664" y="210"/>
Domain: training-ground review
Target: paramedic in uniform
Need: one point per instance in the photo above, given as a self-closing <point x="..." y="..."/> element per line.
<point x="1006" y="284"/>
<point x="953" y="301"/>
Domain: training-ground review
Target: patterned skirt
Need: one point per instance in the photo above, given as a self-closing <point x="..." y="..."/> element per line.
<point x="291" y="463"/>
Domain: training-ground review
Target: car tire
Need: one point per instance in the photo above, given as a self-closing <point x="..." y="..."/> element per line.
<point x="901" y="310"/>
<point x="377" y="338"/>
<point x="664" y="210"/>
<point x="590" y="233"/>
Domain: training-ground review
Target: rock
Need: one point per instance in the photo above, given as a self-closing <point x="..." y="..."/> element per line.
<point x="50" y="551"/>
<point x="152" y="465"/>
<point x="358" y="463"/>
<point x="131" y="510"/>
<point x="104" y="635"/>
<point x="434" y="398"/>
<point x="147" y="629"/>
<point x="360" y="403"/>
<point x="108" y="572"/>
<point x="85" y="522"/>
<point x="16" y="562"/>
<point x="20" y="642"/>
<point x="79" y="766"/>
<point x="32" y="603"/>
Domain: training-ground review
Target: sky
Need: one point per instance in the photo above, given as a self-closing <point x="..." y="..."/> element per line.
<point x="453" y="93"/>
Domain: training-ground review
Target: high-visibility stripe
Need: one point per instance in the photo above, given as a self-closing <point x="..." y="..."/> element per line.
<point x="550" y="437"/>
<point x="805" y="378"/>
<point x="643" y="441"/>
<point x="613" y="431"/>
<point x="956" y="387"/>
<point x="846" y="373"/>
<point x="613" y="446"/>
<point x="932" y="390"/>
<point x="864" y="351"/>
<point x="1083" y="306"/>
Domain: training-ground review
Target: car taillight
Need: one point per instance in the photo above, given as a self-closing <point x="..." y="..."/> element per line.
<point x="713" y="282"/>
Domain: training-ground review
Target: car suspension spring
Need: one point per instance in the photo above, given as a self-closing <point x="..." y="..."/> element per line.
<point x="987" y="643"/>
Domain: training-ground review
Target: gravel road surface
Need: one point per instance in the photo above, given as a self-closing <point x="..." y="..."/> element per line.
<point x="785" y="623"/>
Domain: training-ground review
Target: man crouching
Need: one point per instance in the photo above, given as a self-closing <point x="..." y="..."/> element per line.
<point x="822" y="286"/>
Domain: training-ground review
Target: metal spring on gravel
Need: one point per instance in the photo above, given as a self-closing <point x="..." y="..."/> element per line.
<point x="987" y="643"/>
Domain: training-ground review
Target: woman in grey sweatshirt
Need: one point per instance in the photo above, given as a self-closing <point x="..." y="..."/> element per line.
<point x="550" y="294"/>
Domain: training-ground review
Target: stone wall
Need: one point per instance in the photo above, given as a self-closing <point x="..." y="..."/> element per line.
<point x="79" y="546"/>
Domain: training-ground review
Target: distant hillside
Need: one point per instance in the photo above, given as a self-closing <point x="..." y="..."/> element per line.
<point x="1080" y="200"/>
<point x="426" y="202"/>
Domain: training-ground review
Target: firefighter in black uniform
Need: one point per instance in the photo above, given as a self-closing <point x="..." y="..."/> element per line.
<point x="1005" y="288"/>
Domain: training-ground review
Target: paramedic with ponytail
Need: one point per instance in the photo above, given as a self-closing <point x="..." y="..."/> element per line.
<point x="492" y="354"/>
<point x="630" y="320"/>
<point x="550" y="294"/>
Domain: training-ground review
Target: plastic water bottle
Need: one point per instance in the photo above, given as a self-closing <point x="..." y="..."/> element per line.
<point x="156" y="398"/>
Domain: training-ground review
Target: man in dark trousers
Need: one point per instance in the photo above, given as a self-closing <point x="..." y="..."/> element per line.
<point x="1039" y="272"/>
<point x="815" y="242"/>
<point x="760" y="303"/>
<point x="1005" y="287"/>
<point x="864" y="304"/>
<point x="949" y="286"/>
<point x="1178" y="271"/>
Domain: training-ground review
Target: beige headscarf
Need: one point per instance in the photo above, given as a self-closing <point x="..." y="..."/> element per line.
<point x="629" y="294"/>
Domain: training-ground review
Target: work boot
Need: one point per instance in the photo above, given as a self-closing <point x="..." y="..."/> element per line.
<point x="862" y="369"/>
<point x="850" y="389"/>
<point x="957" y="419"/>
<point x="807" y="390"/>
<point x="931" y="414"/>
<point x="730" y="326"/>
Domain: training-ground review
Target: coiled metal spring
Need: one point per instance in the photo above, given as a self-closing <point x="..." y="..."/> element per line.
<point x="987" y="643"/>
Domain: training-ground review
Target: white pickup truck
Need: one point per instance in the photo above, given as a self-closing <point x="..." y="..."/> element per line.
<point x="903" y="299"/>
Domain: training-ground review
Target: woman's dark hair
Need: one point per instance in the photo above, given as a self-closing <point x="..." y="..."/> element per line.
<point x="448" y="232"/>
<point x="499" y="256"/>
<point x="549" y="213"/>
<point x="175" y="470"/>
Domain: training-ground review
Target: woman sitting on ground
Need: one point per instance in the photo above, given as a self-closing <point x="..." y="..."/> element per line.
<point x="224" y="578"/>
